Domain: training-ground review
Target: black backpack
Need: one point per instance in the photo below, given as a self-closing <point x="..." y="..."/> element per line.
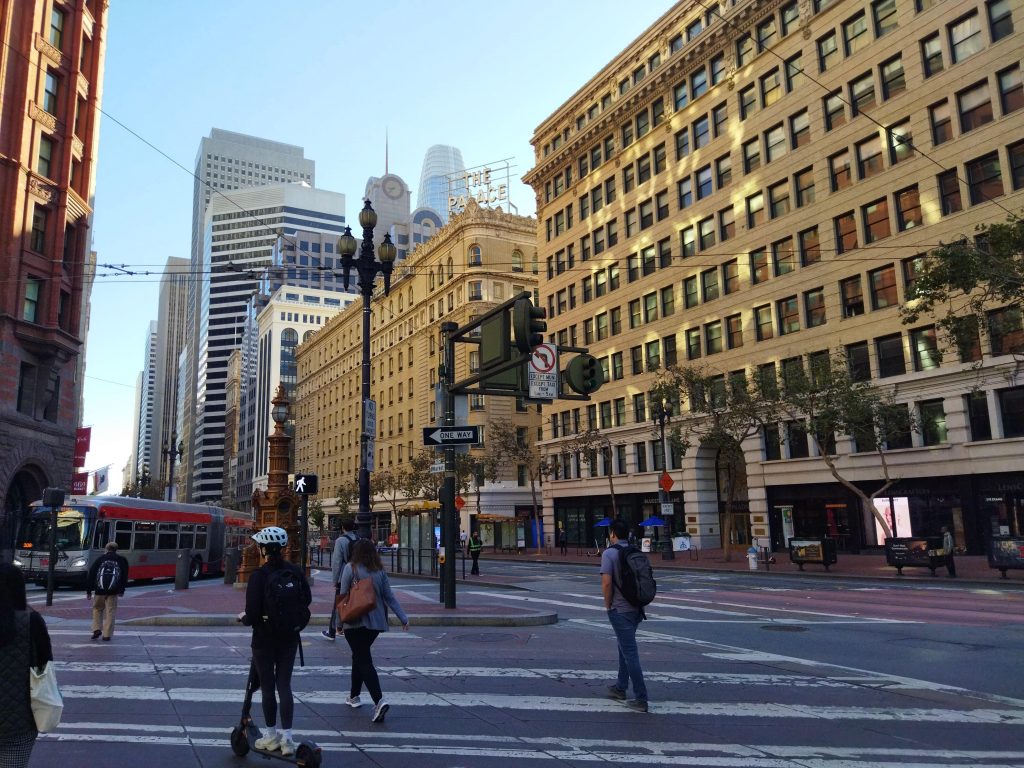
<point x="638" y="586"/>
<point x="286" y="599"/>
<point x="108" y="577"/>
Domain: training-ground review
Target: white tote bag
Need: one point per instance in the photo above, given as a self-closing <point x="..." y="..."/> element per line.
<point x="47" y="703"/>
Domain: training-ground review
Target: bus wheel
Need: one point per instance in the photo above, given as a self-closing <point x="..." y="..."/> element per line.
<point x="195" y="570"/>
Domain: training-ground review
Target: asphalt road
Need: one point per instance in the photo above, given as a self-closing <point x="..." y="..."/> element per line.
<point x="743" y="670"/>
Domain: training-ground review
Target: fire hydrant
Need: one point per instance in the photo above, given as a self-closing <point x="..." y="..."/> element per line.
<point x="752" y="558"/>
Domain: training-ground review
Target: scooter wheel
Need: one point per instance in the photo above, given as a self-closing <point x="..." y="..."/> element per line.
<point x="307" y="756"/>
<point x="239" y="741"/>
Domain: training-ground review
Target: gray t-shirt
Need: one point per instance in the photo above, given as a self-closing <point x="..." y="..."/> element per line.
<point x="610" y="563"/>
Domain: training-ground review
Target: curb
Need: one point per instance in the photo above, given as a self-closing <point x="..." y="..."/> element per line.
<point x="535" y="619"/>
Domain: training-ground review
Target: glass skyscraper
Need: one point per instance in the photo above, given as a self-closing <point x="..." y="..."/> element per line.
<point x="440" y="165"/>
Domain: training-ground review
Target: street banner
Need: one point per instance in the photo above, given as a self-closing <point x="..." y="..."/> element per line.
<point x="79" y="483"/>
<point x="83" y="435"/>
<point x="102" y="476"/>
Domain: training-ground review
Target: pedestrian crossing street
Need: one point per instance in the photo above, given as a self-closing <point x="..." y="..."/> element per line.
<point x="166" y="695"/>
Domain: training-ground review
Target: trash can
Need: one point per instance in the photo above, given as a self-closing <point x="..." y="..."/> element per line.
<point x="752" y="558"/>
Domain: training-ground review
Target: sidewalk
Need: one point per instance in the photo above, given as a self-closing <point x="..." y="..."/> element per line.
<point x="870" y="565"/>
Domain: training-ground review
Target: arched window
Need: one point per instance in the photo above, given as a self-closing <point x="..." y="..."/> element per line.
<point x="450" y="265"/>
<point x="517" y="260"/>
<point x="432" y="284"/>
<point x="535" y="263"/>
<point x="475" y="256"/>
<point x="307" y="336"/>
<point x="401" y="304"/>
<point x="440" y="274"/>
<point x="410" y="298"/>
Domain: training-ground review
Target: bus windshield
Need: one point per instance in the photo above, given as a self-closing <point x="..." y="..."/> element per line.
<point x="74" y="531"/>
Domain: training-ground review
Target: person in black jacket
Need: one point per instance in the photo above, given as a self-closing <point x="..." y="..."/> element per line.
<point x="24" y="642"/>
<point x="273" y="648"/>
<point x="108" y="582"/>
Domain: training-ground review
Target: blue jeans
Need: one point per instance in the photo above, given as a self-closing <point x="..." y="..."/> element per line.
<point x="625" y="625"/>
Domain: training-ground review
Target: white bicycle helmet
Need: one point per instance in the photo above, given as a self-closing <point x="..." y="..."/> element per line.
<point x="271" y="535"/>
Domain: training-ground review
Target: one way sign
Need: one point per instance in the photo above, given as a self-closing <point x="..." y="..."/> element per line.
<point x="451" y="435"/>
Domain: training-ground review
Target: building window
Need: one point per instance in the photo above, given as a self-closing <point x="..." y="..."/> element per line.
<point x="858" y="362"/>
<point x="783" y="257"/>
<point x="759" y="267"/>
<point x="814" y="307"/>
<point x="774" y="143"/>
<point x="893" y="79"/>
<point x="789" y="315"/>
<point x="828" y="51"/>
<point x="723" y="170"/>
<point x="690" y="295"/>
<point x="1000" y="19"/>
<point x="975" y="107"/>
<point x="976" y="405"/>
<point x="730" y="277"/>
<point x="890" y="355"/>
<point x="804" y="181"/>
<point x="709" y="284"/>
<point x="57" y="18"/>
<point x="1016" y="155"/>
<point x="713" y="337"/>
<point x="719" y="118"/>
<point x="876" y="220"/>
<point x="1011" y="90"/>
<point x="771" y="87"/>
<point x="883" y="287"/>
<point x="727" y="220"/>
<point x="869" y="157"/>
<point x="862" y="93"/>
<point x="778" y="198"/>
<point x="1005" y="333"/>
<point x="795" y="76"/>
<point x="855" y="34"/>
<point x="763" y="322"/>
<point x="45" y="165"/>
<point x="50" y="91"/>
<point x="30" y="307"/>
<point x="684" y="193"/>
<point x="984" y="179"/>
<point x="846" y="232"/>
<point x="800" y="129"/>
<point x="931" y="55"/>
<point x="1011" y="411"/>
<point x="744" y="50"/>
<point x="748" y="101"/>
<point x="476" y="256"/>
<point x="687" y="242"/>
<point x="839" y="170"/>
<point x="965" y="37"/>
<point x="901" y="143"/>
<point x="706" y="232"/>
<point x="908" y="209"/>
<point x="835" y="110"/>
<point x="810" y="251"/>
<point x="701" y="133"/>
<point x="755" y="210"/>
<point x="884" y="14"/>
<point x="751" y="155"/>
<point x="852" y="296"/>
<point x="925" y="348"/>
<point x="704" y="187"/>
<point x="734" y="330"/>
<point x="933" y="422"/>
<point x="40" y="219"/>
<point x="693" y="350"/>
<point x="949" y="193"/>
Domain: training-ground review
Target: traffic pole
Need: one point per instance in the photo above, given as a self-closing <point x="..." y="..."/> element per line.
<point x="449" y="519"/>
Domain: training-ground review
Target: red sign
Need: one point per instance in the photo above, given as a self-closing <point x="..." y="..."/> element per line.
<point x="80" y="483"/>
<point x="83" y="436"/>
<point x="665" y="482"/>
<point x="459" y="503"/>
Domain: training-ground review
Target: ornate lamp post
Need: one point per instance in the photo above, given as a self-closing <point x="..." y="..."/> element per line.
<point x="367" y="266"/>
<point x="173" y="450"/>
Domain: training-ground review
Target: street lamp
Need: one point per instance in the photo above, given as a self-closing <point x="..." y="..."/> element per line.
<point x="367" y="266"/>
<point x="173" y="450"/>
<point x="661" y="412"/>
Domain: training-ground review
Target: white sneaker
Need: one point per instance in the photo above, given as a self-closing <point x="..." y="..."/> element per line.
<point x="287" y="747"/>
<point x="354" y="701"/>
<point x="268" y="742"/>
<point x="380" y="710"/>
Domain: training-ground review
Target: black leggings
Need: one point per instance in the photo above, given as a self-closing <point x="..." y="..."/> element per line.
<point x="274" y="667"/>
<point x="363" y="671"/>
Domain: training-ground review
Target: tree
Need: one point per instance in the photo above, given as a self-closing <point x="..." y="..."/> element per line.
<point x="589" y="445"/>
<point x="316" y="515"/>
<point x="153" y="489"/>
<point x="832" y="402"/>
<point x="723" y="416"/>
<point x="509" y="445"/>
<point x="389" y="485"/>
<point x="959" y="282"/>
<point x="347" y="495"/>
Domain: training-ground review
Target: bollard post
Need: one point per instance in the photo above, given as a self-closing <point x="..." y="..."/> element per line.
<point x="181" y="569"/>
<point x="230" y="565"/>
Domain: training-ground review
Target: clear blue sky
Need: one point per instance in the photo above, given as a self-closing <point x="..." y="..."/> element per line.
<point x="326" y="75"/>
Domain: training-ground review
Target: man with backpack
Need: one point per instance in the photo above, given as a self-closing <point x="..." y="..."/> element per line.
<point x="342" y="547"/>
<point x="108" y="578"/>
<point x="627" y="584"/>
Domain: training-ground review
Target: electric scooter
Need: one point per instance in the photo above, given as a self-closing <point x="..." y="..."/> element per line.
<point x="244" y="735"/>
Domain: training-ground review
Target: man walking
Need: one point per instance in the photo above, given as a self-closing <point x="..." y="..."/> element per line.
<point x="624" y="618"/>
<point x="341" y="549"/>
<point x="475" y="545"/>
<point x="108" y="578"/>
<point x="947" y="545"/>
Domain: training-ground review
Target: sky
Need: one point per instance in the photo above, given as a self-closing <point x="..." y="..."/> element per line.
<point x="331" y="76"/>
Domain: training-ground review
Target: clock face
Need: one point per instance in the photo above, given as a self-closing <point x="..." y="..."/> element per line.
<point x="392" y="187"/>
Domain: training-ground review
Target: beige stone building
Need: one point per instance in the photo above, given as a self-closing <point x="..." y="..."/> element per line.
<point x="752" y="186"/>
<point x="479" y="259"/>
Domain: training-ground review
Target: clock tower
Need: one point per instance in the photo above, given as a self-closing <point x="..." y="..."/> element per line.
<point x="392" y="200"/>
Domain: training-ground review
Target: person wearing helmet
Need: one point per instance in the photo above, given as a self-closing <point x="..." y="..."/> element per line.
<point x="273" y="648"/>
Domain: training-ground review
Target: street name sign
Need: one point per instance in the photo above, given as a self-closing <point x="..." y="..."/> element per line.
<point x="437" y="468"/>
<point x="446" y="436"/>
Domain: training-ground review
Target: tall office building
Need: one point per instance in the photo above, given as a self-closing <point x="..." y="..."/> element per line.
<point x="228" y="161"/>
<point x="172" y="314"/>
<point x="147" y="453"/>
<point x="750" y="187"/>
<point x="51" y="82"/>
<point x="439" y="179"/>
<point x="240" y="232"/>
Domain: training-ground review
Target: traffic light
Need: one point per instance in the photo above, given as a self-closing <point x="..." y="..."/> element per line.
<point x="528" y="325"/>
<point x="583" y="374"/>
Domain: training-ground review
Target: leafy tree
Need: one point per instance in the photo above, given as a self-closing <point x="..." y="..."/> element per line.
<point x="316" y="515"/>
<point x="958" y="282"/>
<point x="589" y="445"/>
<point x="347" y="495"/>
<point x="511" y="446"/>
<point x="389" y="485"/>
<point x="723" y="415"/>
<point x="832" y="402"/>
<point x="154" y="489"/>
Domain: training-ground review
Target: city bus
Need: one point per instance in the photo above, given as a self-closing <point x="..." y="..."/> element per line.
<point x="148" y="533"/>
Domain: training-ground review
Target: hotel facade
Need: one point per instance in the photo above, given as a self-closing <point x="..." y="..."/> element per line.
<point x="750" y="186"/>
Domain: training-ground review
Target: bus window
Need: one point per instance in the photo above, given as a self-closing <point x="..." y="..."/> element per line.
<point x="186" y="535"/>
<point x="168" y="536"/>
<point x="145" y="535"/>
<point x="123" y="534"/>
<point x="99" y="541"/>
<point x="200" y="537"/>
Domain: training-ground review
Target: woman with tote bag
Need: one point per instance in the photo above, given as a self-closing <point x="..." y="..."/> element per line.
<point x="24" y="649"/>
<point x="360" y="632"/>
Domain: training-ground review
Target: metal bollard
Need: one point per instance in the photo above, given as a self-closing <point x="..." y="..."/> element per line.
<point x="231" y="565"/>
<point x="181" y="569"/>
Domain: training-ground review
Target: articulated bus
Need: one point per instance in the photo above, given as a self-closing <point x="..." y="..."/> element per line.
<point x="148" y="533"/>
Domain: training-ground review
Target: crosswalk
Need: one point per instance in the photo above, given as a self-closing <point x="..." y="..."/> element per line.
<point x="717" y="704"/>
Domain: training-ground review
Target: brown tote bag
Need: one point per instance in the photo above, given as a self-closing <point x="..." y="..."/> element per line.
<point x="358" y="601"/>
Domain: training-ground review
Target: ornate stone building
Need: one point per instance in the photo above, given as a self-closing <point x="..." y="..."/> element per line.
<point x="51" y="73"/>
